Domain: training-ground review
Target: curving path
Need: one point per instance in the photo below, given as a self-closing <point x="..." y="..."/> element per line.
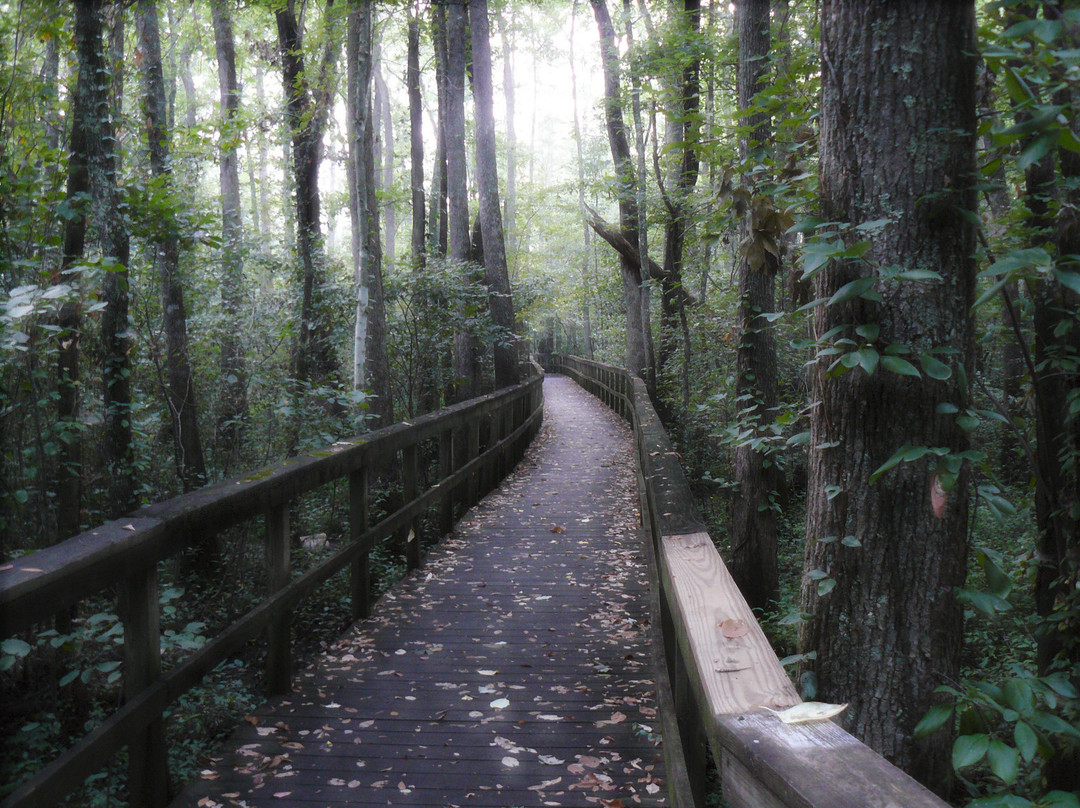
<point x="513" y="669"/>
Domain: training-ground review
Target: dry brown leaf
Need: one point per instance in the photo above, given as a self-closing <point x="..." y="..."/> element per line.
<point x="733" y="628"/>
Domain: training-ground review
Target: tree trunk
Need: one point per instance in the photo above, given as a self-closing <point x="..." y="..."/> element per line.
<point x="117" y="450"/>
<point x="640" y="199"/>
<point x="587" y="230"/>
<point x="753" y="515"/>
<point x="306" y="110"/>
<point x="682" y="136"/>
<point x="385" y="167"/>
<point x="232" y="400"/>
<point x="893" y="550"/>
<point x="358" y="99"/>
<point x="496" y="277"/>
<point x="510" y="202"/>
<point x="378" y="365"/>
<point x="636" y="360"/>
<point x="416" y="145"/>
<point x="466" y="350"/>
<point x="180" y="398"/>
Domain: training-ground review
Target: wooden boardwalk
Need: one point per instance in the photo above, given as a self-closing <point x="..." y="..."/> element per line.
<point x="513" y="669"/>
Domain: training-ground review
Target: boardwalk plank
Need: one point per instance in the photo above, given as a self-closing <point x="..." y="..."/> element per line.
<point x="512" y="669"/>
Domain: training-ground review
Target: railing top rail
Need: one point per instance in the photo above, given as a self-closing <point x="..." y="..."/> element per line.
<point x="36" y="586"/>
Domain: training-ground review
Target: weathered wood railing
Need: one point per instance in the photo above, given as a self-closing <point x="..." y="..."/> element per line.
<point x="478" y="440"/>
<point x="722" y="668"/>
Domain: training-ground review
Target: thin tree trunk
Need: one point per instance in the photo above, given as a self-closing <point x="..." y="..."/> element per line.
<point x="358" y="101"/>
<point x="635" y="360"/>
<point x="506" y="27"/>
<point x="306" y="110"/>
<point x="753" y="561"/>
<point x="386" y="169"/>
<point x="378" y="365"/>
<point x="893" y="550"/>
<point x="487" y="179"/>
<point x="264" y="162"/>
<point x="586" y="230"/>
<point x="232" y="401"/>
<point x="416" y="145"/>
<point x="466" y="359"/>
<point x="180" y="398"/>
<point x="649" y="375"/>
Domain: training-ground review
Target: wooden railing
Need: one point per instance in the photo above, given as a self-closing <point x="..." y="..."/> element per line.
<point x="478" y="443"/>
<point x="723" y="671"/>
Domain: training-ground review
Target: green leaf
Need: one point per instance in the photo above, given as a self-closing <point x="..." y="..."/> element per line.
<point x="919" y="275"/>
<point x="1004" y="761"/>
<point x="895" y="364"/>
<point x="69" y="678"/>
<point x="934" y="719"/>
<point x="851" y="541"/>
<point x="817" y="575"/>
<point x="15" y="647"/>
<point x="1036" y="151"/>
<point x="969" y="749"/>
<point x="825" y="586"/>
<point x="997" y="579"/>
<point x="935" y="368"/>
<point x="868" y="360"/>
<point x="1027" y="742"/>
<point x="985" y="602"/>
<point x="945" y="408"/>
<point x="1069" y="279"/>
<point x="853" y="289"/>
<point x="868" y="331"/>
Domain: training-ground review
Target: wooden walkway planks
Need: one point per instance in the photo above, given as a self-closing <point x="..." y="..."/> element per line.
<point x="513" y="669"/>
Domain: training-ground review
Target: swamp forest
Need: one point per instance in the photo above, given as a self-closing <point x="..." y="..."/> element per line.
<point x="838" y="241"/>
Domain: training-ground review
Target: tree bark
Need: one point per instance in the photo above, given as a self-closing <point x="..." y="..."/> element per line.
<point x="636" y="360"/>
<point x="496" y="277"/>
<point x="384" y="167"/>
<point x="232" y="398"/>
<point x="306" y="111"/>
<point x="466" y="349"/>
<point x="682" y="128"/>
<point x="586" y="314"/>
<point x="116" y="344"/>
<point x="180" y="398"/>
<point x="753" y="514"/>
<point x="890" y="629"/>
<point x="416" y="145"/>
<point x="510" y="202"/>
<point x="640" y="198"/>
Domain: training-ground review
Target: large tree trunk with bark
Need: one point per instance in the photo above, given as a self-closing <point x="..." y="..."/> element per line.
<point x="418" y="236"/>
<point x="232" y="399"/>
<point x="487" y="179"/>
<point x="753" y="514"/>
<point x="884" y="555"/>
<point x="586" y="314"/>
<point x="116" y="344"/>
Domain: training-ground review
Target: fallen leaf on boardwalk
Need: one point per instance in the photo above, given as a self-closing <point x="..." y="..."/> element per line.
<point x="252" y="719"/>
<point x="510" y="762"/>
<point x="732" y="628"/>
<point x="551" y="760"/>
<point x="379" y="784"/>
<point x="208" y="774"/>
<point x="808" y="711"/>
<point x="354" y="784"/>
<point x="575" y="768"/>
<point x="615" y="803"/>
<point x="589" y="760"/>
<point x="652" y="788"/>
<point x="545" y="784"/>
<point x="499" y="704"/>
<point x="487" y="672"/>
<point x="404" y="789"/>
<point x="549" y="717"/>
<point x="558" y="529"/>
<point x="282" y="794"/>
<point x="616" y="718"/>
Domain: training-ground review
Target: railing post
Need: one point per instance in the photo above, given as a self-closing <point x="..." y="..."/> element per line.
<point x="360" y="571"/>
<point x="278" y="640"/>
<point x="472" y="439"/>
<point x="148" y="767"/>
<point x="409" y="492"/>
<point x="446" y="468"/>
